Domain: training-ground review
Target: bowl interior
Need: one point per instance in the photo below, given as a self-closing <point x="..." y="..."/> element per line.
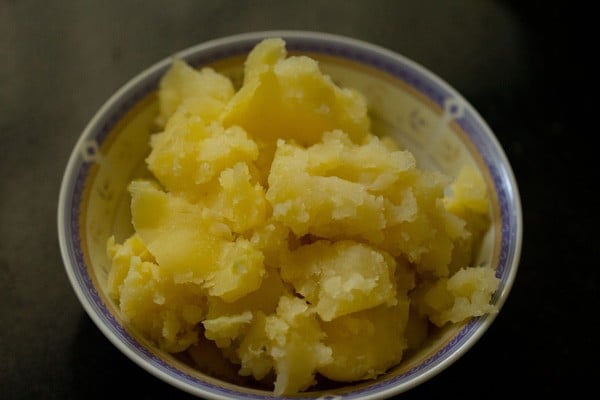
<point x="406" y="102"/>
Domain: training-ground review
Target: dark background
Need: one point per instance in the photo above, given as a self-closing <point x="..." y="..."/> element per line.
<point x="523" y="65"/>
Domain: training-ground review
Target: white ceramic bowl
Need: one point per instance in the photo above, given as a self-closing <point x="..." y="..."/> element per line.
<point x="407" y="101"/>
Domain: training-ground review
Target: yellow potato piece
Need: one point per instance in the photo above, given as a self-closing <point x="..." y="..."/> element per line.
<point x="465" y="294"/>
<point x="295" y="345"/>
<point x="193" y="247"/>
<point x="191" y="153"/>
<point x="342" y="277"/>
<point x="133" y="250"/>
<point x="323" y="204"/>
<point x="468" y="192"/>
<point x="365" y="344"/>
<point x="253" y="351"/>
<point x="224" y="329"/>
<point x="237" y="200"/>
<point x="204" y="93"/>
<point x="290" y="98"/>
<point x="151" y="301"/>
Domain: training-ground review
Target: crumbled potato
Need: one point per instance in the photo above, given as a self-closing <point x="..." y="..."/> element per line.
<point x="280" y="233"/>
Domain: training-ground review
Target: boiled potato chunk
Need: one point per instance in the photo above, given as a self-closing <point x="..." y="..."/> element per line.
<point x="150" y="299"/>
<point x="223" y="329"/>
<point x="468" y="192"/>
<point x="291" y="98"/>
<point x="324" y="205"/>
<point x="341" y="277"/>
<point x="468" y="200"/>
<point x="238" y="199"/>
<point x="297" y="345"/>
<point x="253" y="351"/>
<point x="265" y="299"/>
<point x="365" y="344"/>
<point x="191" y="153"/>
<point x="240" y="271"/>
<point x="132" y="250"/>
<point x="290" y="341"/>
<point x="428" y="238"/>
<point x="274" y="240"/>
<point x="192" y="246"/>
<point x="465" y="294"/>
<point x="176" y="232"/>
<point x="203" y="93"/>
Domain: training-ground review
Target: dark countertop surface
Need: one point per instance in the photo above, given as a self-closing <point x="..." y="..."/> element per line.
<point x="518" y="65"/>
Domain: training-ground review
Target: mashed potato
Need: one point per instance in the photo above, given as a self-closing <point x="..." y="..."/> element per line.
<point x="280" y="229"/>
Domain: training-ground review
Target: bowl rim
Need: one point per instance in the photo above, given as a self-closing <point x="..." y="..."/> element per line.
<point x="388" y="388"/>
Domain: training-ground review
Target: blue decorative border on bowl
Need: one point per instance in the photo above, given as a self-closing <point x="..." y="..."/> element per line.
<point x="371" y="56"/>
